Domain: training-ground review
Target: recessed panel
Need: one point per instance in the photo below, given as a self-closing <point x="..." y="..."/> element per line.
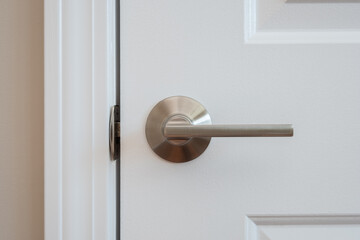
<point x="345" y="227"/>
<point x="312" y="21"/>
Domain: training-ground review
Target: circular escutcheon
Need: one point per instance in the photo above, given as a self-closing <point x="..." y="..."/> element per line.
<point x="179" y="110"/>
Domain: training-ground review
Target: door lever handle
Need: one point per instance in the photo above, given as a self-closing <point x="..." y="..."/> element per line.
<point x="220" y="130"/>
<point x="179" y="129"/>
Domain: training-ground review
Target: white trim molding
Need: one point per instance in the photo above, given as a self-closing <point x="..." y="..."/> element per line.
<point x="256" y="12"/>
<point x="322" y="226"/>
<point x="293" y="37"/>
<point x="79" y="91"/>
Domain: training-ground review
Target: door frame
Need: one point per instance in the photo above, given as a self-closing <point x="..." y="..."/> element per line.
<point x="80" y="87"/>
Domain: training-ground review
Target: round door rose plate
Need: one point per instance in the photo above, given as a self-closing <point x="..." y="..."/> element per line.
<point x="172" y="111"/>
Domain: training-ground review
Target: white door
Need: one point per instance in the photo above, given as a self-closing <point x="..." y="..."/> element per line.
<point x="252" y="61"/>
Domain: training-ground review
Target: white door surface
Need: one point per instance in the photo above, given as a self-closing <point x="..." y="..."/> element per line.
<point x="252" y="61"/>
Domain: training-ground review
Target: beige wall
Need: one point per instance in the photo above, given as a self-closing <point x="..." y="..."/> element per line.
<point x="21" y="120"/>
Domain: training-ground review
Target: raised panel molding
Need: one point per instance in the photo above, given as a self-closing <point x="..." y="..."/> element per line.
<point x="310" y="227"/>
<point x="272" y="21"/>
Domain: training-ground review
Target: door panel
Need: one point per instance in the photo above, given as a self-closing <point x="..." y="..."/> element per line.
<point x="301" y="21"/>
<point x="303" y="227"/>
<point x="201" y="49"/>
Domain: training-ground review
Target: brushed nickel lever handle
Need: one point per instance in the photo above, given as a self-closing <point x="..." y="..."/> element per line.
<point x="221" y="130"/>
<point x="179" y="129"/>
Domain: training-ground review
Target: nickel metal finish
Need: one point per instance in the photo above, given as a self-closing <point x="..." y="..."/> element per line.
<point x="179" y="129"/>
